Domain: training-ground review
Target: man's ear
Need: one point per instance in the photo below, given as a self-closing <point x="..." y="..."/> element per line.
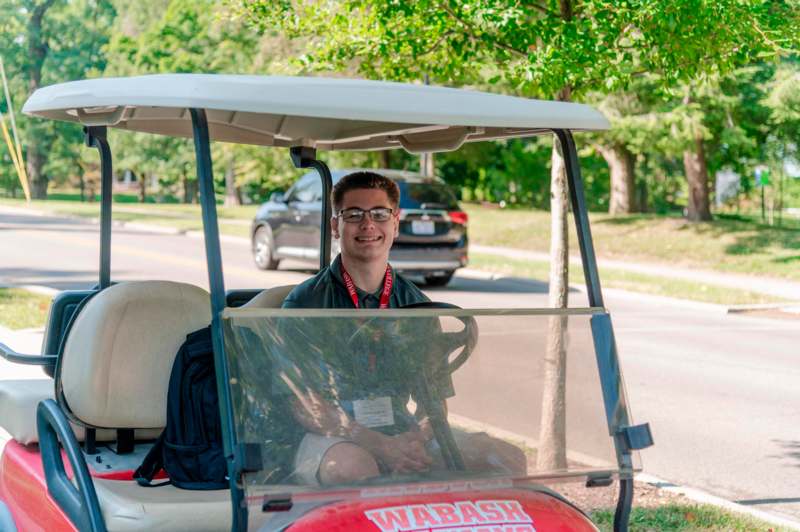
<point x="335" y="226"/>
<point x="397" y="225"/>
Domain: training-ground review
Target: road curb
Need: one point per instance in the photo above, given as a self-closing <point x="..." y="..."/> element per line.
<point x="223" y="238"/>
<point x="791" y="307"/>
<point x="704" y="497"/>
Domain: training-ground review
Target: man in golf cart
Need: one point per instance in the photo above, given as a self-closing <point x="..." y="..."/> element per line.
<point x="369" y="430"/>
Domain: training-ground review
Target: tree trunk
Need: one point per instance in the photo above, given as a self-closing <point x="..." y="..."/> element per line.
<point x="694" y="164"/>
<point x="621" y="167"/>
<point x="142" y="188"/>
<point x="385" y="158"/>
<point x="642" y="195"/>
<point x="232" y="199"/>
<point x="427" y="165"/>
<point x="552" y="452"/>
<point x="82" y="183"/>
<point x="37" y="51"/>
<point x="189" y="189"/>
<point x="36" y="177"/>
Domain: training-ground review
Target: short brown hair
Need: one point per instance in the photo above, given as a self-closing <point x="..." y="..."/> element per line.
<point x="359" y="180"/>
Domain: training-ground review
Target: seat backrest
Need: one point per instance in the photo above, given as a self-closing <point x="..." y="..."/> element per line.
<point x="270" y="297"/>
<point x="116" y="362"/>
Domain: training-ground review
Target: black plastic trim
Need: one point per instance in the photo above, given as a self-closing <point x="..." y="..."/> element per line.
<point x="216" y="283"/>
<point x="637" y="437"/>
<point x="602" y="332"/>
<point x="96" y="137"/>
<point x="622" y="514"/>
<point x="305" y="157"/>
<point x="239" y="296"/>
<point x="79" y="503"/>
<point x="21" y="358"/>
<point x="62" y="313"/>
<point x="581" y="216"/>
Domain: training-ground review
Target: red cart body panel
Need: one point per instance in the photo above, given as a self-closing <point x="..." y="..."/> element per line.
<point x="483" y="511"/>
<point x="23" y="489"/>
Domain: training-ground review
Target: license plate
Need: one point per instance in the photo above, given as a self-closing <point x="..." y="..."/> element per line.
<point x="423" y="227"/>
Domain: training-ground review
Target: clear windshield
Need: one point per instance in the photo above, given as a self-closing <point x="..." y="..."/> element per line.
<point x="348" y="403"/>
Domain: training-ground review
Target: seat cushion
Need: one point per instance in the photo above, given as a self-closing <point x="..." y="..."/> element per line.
<point x="18" y="402"/>
<point x="128" y="506"/>
<point x="270" y="297"/>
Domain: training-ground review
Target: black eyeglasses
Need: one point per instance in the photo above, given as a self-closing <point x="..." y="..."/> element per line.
<point x="376" y="214"/>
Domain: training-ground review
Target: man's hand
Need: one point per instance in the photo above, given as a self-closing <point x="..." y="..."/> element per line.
<point x="404" y="453"/>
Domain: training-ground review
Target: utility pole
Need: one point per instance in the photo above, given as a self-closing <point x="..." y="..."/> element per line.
<point x="15" y="148"/>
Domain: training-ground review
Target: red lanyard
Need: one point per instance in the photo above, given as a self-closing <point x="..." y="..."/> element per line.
<point x="384" y="301"/>
<point x="385" y="293"/>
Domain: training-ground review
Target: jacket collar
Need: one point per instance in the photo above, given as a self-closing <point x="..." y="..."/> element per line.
<point x="335" y="270"/>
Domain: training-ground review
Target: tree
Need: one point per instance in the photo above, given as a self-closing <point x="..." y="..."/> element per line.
<point x="783" y="104"/>
<point x="558" y="49"/>
<point x="185" y="36"/>
<point x="46" y="42"/>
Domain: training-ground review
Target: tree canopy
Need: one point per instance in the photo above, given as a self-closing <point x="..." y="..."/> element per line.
<point x="690" y="84"/>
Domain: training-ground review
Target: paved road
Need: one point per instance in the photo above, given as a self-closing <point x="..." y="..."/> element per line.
<point x="720" y="391"/>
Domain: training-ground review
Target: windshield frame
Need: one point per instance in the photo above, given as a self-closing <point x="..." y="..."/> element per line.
<point x="612" y="390"/>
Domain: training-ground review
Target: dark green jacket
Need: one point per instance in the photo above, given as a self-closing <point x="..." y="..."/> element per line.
<point x="327" y="290"/>
<point x="338" y="359"/>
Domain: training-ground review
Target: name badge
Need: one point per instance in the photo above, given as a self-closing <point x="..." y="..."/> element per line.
<point x="375" y="412"/>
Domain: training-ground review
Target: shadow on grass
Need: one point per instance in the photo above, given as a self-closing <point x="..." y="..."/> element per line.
<point x="628" y="219"/>
<point x="749" y="237"/>
<point x="502" y="285"/>
<point x="757" y="243"/>
<point x="786" y="260"/>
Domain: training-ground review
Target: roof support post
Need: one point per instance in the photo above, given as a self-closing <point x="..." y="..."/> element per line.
<point x="602" y="332"/>
<point x="305" y="157"/>
<point x="581" y="216"/>
<point x="208" y="203"/>
<point x="96" y="137"/>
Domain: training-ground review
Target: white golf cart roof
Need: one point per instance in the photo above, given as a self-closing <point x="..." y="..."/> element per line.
<point x="325" y="113"/>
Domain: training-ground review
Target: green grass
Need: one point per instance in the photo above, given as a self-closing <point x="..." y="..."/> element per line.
<point x="22" y="309"/>
<point x="728" y="244"/>
<point x="635" y="282"/>
<point x="684" y="517"/>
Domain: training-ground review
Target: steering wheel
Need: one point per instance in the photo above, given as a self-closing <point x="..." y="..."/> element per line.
<point x="465" y="339"/>
<point x="451" y="341"/>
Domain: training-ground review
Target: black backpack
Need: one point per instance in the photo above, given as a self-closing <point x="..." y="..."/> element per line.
<point x="190" y="447"/>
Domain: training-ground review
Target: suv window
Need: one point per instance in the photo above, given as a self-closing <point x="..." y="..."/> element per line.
<point x="308" y="189"/>
<point x="427" y="196"/>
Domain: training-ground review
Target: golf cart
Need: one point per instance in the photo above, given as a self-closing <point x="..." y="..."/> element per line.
<point x="77" y="435"/>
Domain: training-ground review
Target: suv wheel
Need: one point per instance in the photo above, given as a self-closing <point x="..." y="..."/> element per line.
<point x="438" y="280"/>
<point x="263" y="252"/>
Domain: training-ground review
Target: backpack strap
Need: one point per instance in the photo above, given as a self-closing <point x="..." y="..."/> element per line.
<point x="152" y="464"/>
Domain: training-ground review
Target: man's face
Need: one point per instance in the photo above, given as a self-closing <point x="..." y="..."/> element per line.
<point x="366" y="241"/>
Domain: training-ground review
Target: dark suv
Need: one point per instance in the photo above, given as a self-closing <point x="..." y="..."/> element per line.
<point x="433" y="229"/>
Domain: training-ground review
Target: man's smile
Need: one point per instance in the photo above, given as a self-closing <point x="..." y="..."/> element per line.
<point x="376" y="238"/>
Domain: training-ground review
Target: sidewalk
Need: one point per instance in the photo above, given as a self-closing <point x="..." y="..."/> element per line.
<point x="775" y="287"/>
